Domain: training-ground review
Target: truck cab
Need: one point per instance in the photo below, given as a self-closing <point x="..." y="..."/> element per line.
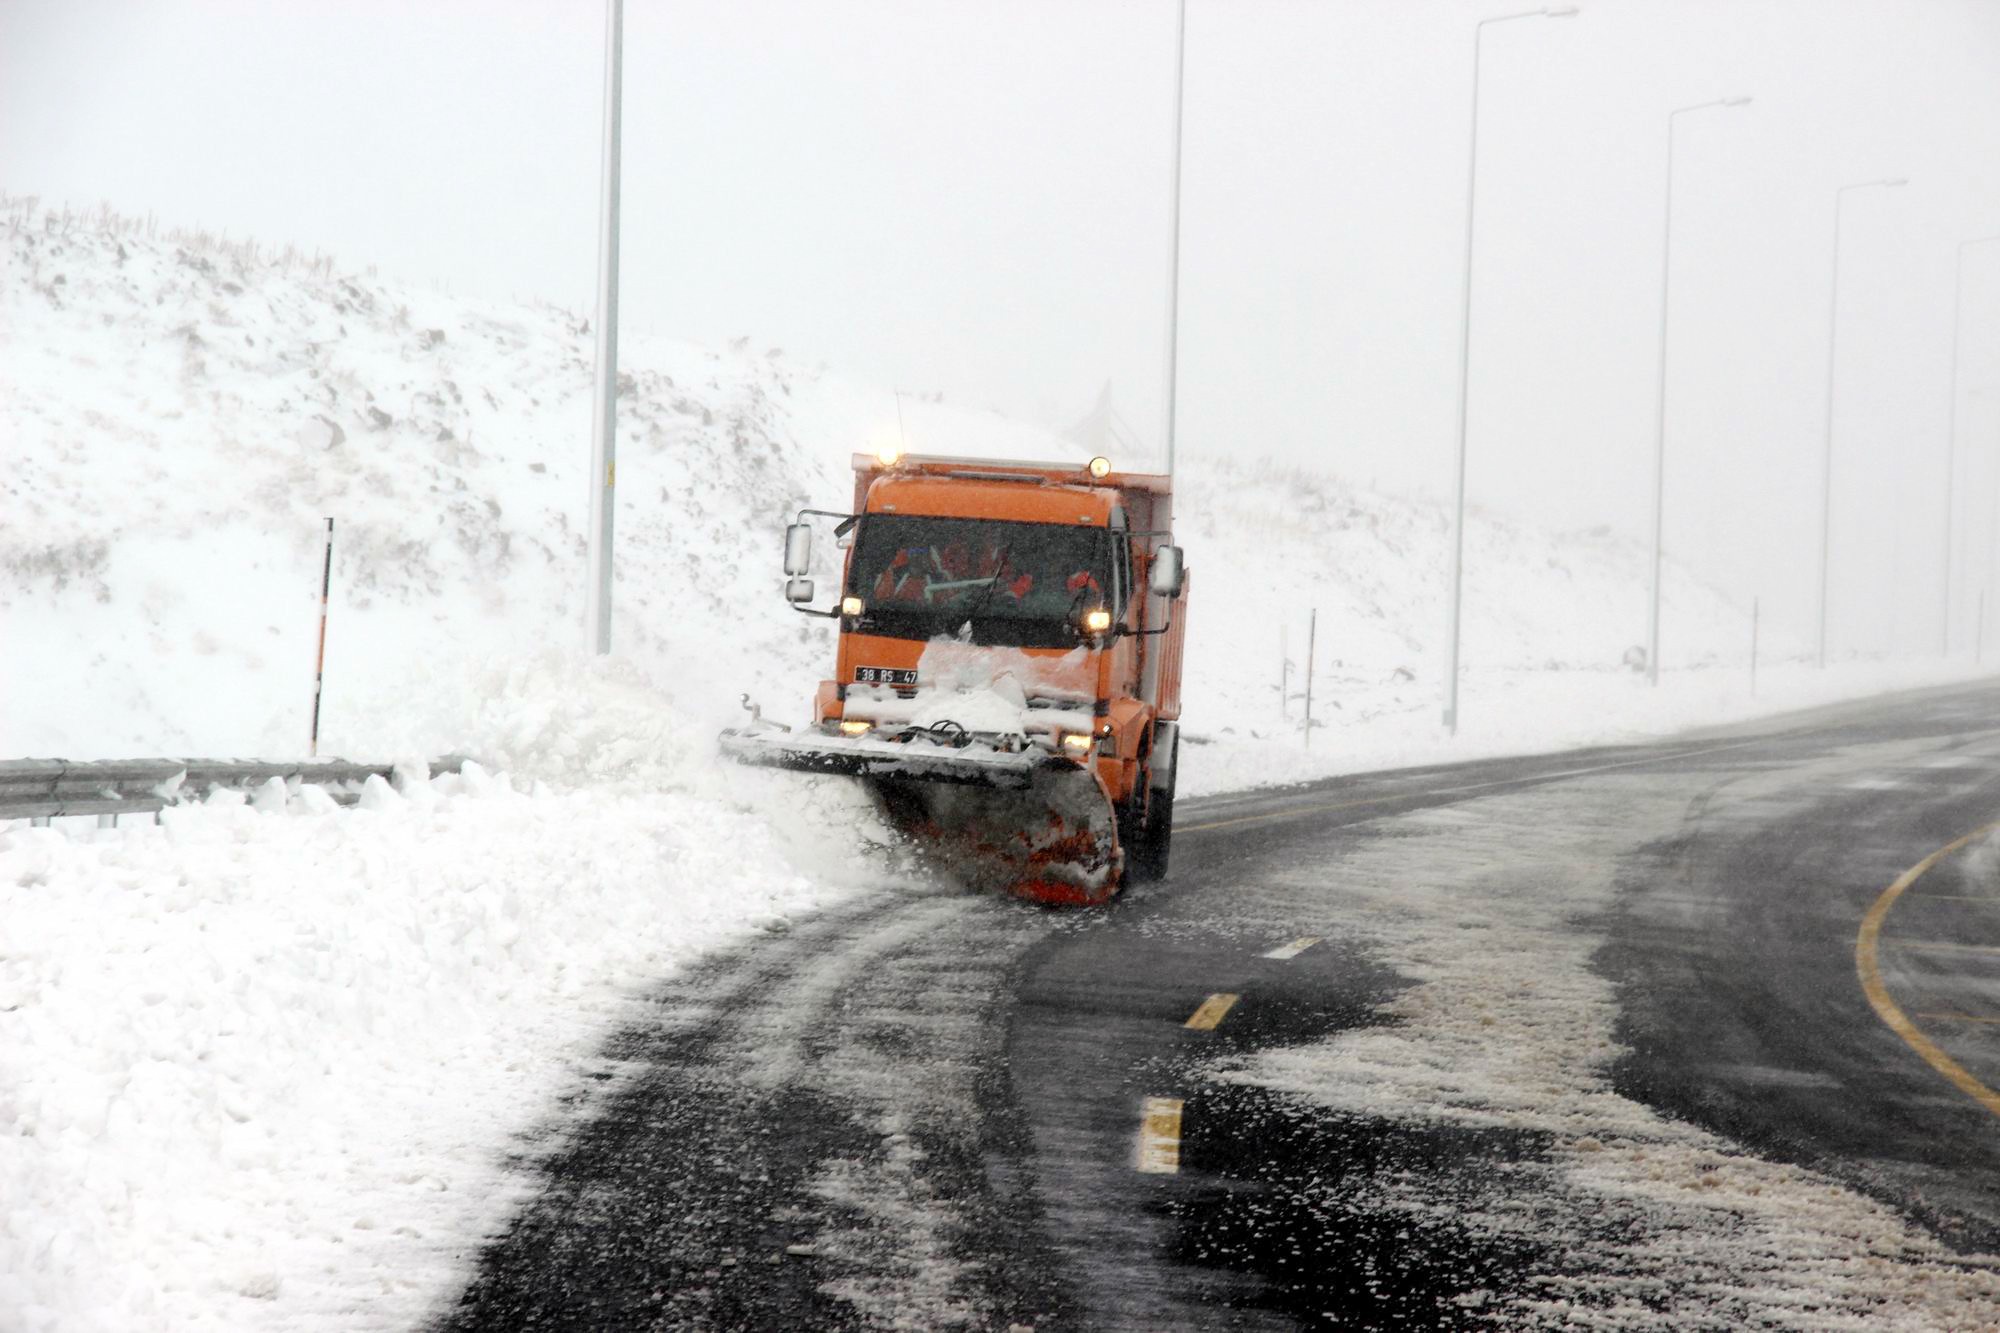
<point x="999" y="621"/>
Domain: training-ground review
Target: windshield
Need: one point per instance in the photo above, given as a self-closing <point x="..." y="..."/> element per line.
<point x="1019" y="585"/>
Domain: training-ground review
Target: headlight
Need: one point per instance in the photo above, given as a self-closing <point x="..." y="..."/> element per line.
<point x="1100" y="467"/>
<point x="850" y="606"/>
<point x="854" y="728"/>
<point x="889" y="452"/>
<point x="1077" y="743"/>
<point x="1097" y="621"/>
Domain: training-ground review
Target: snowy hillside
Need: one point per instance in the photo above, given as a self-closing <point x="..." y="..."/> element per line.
<point x="192" y="411"/>
<point x="189" y="410"/>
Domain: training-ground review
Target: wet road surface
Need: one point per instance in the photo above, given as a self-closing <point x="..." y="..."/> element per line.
<point x="1512" y="1043"/>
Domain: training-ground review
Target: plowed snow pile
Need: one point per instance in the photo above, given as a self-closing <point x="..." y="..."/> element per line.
<point x="260" y="1066"/>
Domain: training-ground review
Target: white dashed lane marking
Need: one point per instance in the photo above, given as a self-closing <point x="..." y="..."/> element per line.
<point x="1294" y="949"/>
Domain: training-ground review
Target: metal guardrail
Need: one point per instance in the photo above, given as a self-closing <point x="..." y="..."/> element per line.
<point x="41" y="789"/>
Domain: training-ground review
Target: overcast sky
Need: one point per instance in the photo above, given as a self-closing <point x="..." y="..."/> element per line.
<point x="973" y="198"/>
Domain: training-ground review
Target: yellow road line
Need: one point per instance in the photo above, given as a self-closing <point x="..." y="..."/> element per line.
<point x="1417" y="794"/>
<point x="1292" y="950"/>
<point x="1960" y="1018"/>
<point x="1159" y="1136"/>
<point x="1211" y="1011"/>
<point x="1866" y="943"/>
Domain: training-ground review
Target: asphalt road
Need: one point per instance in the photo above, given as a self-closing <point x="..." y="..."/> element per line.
<point x="1639" y="1036"/>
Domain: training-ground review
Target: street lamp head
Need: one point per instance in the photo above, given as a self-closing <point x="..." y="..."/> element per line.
<point x="1560" y="12"/>
<point x="1886" y="181"/>
<point x="1736" y="101"/>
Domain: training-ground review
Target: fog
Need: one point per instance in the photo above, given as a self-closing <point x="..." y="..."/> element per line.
<point x="973" y="199"/>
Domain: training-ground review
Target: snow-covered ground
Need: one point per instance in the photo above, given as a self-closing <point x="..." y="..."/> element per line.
<point x="261" y="1065"/>
<point x="221" y="1039"/>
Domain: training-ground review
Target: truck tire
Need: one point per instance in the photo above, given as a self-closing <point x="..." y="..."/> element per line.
<point x="1153" y="840"/>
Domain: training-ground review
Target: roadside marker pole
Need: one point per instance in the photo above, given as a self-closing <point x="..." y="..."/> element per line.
<point x="319" y="663"/>
<point x="1753" y="647"/>
<point x="1284" y="670"/>
<point x="1312" y="636"/>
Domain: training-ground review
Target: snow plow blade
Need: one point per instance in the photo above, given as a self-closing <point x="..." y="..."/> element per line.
<point x="866" y="757"/>
<point x="1026" y="822"/>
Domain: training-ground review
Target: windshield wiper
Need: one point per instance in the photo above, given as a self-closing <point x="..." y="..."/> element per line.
<point x="999" y="570"/>
<point x="1069" y="613"/>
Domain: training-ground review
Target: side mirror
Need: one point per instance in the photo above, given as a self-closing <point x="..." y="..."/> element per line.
<point x="798" y="591"/>
<point x="798" y="555"/>
<point x="1165" y="577"/>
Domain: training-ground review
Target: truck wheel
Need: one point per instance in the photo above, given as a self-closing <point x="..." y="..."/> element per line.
<point x="1132" y="837"/>
<point x="1154" y="840"/>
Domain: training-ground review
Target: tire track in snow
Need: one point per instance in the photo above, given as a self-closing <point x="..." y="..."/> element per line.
<point x="813" y="1133"/>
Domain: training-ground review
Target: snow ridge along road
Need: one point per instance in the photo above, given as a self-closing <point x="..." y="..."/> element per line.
<point x="1576" y="1039"/>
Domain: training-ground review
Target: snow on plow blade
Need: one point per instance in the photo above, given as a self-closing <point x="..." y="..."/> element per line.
<point x="866" y="757"/>
<point x="1026" y="822"/>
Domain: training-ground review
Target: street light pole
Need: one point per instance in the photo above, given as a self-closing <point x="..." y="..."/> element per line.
<point x="1832" y="347"/>
<point x="1174" y="272"/>
<point x="1992" y="549"/>
<point x="1951" y="435"/>
<point x="1452" y="623"/>
<point x="603" y="436"/>
<point x="1660" y="419"/>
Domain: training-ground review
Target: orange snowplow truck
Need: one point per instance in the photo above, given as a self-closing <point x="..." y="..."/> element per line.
<point x="1009" y="666"/>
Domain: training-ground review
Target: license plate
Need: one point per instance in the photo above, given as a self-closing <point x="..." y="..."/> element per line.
<point x="885" y="676"/>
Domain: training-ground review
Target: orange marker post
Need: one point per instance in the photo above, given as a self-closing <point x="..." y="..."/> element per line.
<point x="319" y="664"/>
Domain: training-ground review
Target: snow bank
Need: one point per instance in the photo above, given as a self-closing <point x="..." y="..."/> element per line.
<point x="1389" y="724"/>
<point x="260" y="1066"/>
